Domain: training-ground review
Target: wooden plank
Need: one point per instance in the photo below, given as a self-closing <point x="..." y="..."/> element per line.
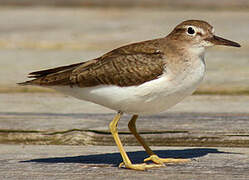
<point x="56" y="119"/>
<point x="100" y="162"/>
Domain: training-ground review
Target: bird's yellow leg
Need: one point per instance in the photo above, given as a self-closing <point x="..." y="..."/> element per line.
<point x="153" y="157"/>
<point x="126" y="161"/>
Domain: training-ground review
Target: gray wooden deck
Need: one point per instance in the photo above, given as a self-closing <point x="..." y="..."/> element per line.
<point x="57" y="119"/>
<point x="100" y="162"/>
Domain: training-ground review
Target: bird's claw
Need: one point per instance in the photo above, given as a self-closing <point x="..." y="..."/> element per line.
<point x="157" y="160"/>
<point x="141" y="167"/>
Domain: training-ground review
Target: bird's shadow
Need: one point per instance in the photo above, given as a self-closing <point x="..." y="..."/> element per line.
<point x="136" y="156"/>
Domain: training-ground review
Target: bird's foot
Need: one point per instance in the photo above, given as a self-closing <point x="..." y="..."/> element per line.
<point x="140" y="167"/>
<point x="158" y="160"/>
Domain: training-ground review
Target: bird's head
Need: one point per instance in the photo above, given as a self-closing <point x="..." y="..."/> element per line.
<point x="197" y="33"/>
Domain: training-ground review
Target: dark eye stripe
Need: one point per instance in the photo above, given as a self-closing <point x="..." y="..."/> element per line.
<point x="199" y="33"/>
<point x="180" y="30"/>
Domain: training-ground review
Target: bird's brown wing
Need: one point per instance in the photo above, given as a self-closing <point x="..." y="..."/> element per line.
<point x="129" y="65"/>
<point x="125" y="66"/>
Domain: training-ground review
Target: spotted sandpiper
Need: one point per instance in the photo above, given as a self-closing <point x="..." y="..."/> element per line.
<point x="140" y="78"/>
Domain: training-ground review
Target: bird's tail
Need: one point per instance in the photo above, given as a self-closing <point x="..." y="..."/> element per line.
<point x="51" y="77"/>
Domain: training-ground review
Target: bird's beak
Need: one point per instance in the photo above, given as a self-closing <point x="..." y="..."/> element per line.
<point x="216" y="40"/>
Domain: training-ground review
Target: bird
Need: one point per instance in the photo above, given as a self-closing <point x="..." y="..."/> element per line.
<point x="140" y="78"/>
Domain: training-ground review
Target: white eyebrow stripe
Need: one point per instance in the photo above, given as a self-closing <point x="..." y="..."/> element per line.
<point x="212" y="30"/>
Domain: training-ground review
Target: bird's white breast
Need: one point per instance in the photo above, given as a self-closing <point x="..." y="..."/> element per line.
<point x="148" y="98"/>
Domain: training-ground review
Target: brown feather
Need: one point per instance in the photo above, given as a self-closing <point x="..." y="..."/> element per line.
<point x="126" y="66"/>
<point x="41" y="73"/>
<point x="54" y="76"/>
<point x="129" y="65"/>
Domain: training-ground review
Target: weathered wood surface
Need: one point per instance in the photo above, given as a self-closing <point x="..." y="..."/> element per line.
<point x="169" y="4"/>
<point x="100" y="162"/>
<point x="57" y="119"/>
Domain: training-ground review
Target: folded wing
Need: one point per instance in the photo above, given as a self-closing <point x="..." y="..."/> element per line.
<point x="126" y="66"/>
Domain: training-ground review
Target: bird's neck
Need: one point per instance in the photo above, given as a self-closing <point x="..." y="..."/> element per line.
<point x="181" y="57"/>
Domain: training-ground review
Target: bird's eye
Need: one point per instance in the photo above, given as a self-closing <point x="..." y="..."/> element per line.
<point x="191" y="30"/>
